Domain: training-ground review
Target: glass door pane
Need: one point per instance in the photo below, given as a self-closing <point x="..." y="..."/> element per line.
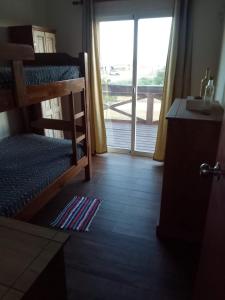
<point x="153" y="42"/>
<point x="116" y="61"/>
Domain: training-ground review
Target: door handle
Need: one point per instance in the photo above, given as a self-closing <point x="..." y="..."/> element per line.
<point x="216" y="171"/>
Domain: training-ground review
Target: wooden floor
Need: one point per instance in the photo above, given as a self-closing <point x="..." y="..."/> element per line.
<point x="121" y="258"/>
<point x="119" y="135"/>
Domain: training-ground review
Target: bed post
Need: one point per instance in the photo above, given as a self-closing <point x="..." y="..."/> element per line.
<point x="17" y="54"/>
<point x="86" y="106"/>
<point x="20" y="91"/>
<point x="19" y="80"/>
<point x="73" y="129"/>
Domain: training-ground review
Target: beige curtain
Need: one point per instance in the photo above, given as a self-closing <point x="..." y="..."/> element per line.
<point x="91" y="45"/>
<point x="178" y="70"/>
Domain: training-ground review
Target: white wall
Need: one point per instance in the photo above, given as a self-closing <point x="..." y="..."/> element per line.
<point x="22" y="12"/>
<point x="208" y="24"/>
<point x="67" y="20"/>
<point x="220" y="88"/>
<point x="14" y="12"/>
<point x="18" y="12"/>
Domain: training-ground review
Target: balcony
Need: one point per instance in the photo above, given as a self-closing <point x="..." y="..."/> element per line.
<point x="118" y="114"/>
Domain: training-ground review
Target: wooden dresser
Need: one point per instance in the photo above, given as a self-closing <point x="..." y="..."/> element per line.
<point x="31" y="261"/>
<point x="192" y="139"/>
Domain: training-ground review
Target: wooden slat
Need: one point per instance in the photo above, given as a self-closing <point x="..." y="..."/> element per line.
<point x="52" y="124"/>
<point x="38" y="93"/>
<point x="80" y="138"/>
<point x="119" y="136"/>
<point x="79" y="115"/>
<point x="50" y="191"/>
<point x="10" y="51"/>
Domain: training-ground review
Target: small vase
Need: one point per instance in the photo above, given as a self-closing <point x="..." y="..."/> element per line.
<point x="204" y="83"/>
<point x="209" y="91"/>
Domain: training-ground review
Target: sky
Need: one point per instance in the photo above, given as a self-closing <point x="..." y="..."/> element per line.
<point x="116" y="42"/>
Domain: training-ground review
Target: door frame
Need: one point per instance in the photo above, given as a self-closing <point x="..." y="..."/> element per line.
<point x="134" y="88"/>
<point x="126" y="151"/>
<point x="135" y="19"/>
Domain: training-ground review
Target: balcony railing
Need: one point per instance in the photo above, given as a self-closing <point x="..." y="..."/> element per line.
<point x="117" y="100"/>
<point x="144" y="92"/>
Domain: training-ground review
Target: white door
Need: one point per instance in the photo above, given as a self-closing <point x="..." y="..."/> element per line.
<point x="39" y="41"/>
<point x="45" y="42"/>
<point x="50" y="42"/>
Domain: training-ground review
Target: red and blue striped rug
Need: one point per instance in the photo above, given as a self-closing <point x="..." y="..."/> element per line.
<point x="77" y="214"/>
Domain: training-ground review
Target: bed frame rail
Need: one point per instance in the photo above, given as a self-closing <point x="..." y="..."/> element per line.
<point x="53" y="59"/>
<point x="16" y="52"/>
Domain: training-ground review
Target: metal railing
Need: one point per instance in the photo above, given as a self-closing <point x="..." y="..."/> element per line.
<point x="143" y="92"/>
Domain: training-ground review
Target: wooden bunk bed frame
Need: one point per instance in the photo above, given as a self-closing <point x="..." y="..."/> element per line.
<point x="22" y="96"/>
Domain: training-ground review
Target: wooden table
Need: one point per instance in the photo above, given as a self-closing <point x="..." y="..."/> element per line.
<point x="31" y="261"/>
<point x="192" y="139"/>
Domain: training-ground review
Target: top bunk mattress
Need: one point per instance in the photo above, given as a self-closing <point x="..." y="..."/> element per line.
<point x="28" y="164"/>
<point x="39" y="75"/>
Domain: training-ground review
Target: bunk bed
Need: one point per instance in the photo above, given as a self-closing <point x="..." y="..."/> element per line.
<point x="33" y="168"/>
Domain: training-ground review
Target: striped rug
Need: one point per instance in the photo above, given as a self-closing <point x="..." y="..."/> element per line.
<point x="77" y="214"/>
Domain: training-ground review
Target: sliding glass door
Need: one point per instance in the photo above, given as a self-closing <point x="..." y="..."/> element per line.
<point x="152" y="49"/>
<point x="116" y="54"/>
<point x="133" y="59"/>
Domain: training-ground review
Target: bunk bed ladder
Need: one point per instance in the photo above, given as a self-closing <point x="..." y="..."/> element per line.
<point x="73" y="127"/>
<point x="85" y="100"/>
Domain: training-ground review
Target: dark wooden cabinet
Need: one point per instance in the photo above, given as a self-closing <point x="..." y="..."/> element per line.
<point x="42" y="39"/>
<point x="192" y="140"/>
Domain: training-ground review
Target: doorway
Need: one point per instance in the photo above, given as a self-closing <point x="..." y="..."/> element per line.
<point x="133" y="57"/>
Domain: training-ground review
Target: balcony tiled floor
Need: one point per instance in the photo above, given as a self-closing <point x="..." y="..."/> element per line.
<point x="119" y="135"/>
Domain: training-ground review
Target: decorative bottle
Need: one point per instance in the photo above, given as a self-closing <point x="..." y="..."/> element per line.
<point x="204" y="82"/>
<point x="209" y="91"/>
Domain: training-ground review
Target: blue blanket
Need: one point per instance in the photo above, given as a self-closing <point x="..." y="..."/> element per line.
<point x="28" y="164"/>
<point x="39" y="75"/>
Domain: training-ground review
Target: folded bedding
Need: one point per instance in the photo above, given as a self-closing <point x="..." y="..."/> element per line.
<point x="28" y="164"/>
<point x="39" y="75"/>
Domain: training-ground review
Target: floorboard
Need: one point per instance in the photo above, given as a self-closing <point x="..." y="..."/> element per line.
<point x="121" y="257"/>
<point x="119" y="135"/>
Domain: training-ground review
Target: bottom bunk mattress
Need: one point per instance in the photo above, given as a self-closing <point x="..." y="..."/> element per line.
<point x="28" y="164"/>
